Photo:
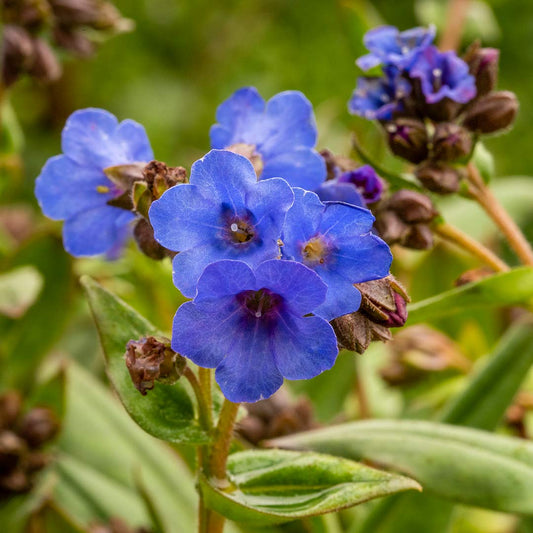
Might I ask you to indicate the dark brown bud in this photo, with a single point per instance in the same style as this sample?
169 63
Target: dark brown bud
483 65
471 276
408 139
16 481
275 417
419 237
144 237
12 449
73 41
444 110
16 54
418 350
38 427
390 227
451 142
152 359
383 306
75 12
494 112
45 67
412 207
10 406
160 177
438 178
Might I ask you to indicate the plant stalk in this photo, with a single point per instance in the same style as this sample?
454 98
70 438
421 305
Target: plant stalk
454 235
484 196
455 21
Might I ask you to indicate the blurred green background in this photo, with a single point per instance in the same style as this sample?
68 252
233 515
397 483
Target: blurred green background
185 57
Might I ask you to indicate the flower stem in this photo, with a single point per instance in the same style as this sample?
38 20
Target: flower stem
204 406
455 20
456 236
484 196
360 391
223 436
204 375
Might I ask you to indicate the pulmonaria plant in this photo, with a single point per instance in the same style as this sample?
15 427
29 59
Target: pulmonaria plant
278 136
74 186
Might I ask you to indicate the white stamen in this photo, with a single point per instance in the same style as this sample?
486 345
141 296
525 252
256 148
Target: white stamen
405 49
258 314
437 72
234 227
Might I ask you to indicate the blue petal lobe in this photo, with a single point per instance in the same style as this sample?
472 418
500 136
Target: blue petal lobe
225 278
303 347
346 220
342 298
131 137
333 191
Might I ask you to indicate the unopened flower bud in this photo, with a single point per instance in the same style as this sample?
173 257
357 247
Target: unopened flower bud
45 67
75 12
473 275
336 164
143 234
16 53
73 41
418 350
12 448
10 407
438 178
152 359
451 142
160 177
408 139
390 227
419 237
483 65
38 426
412 207
383 306
494 112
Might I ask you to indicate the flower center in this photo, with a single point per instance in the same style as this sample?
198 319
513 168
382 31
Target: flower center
315 251
260 304
437 78
240 231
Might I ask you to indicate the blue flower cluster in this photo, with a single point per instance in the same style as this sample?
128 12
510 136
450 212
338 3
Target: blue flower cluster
409 61
266 262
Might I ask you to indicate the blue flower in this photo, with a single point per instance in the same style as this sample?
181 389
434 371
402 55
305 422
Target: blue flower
281 134
335 240
73 187
378 98
251 325
222 213
389 46
359 187
443 75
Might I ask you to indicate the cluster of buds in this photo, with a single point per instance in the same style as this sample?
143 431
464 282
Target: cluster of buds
383 306
152 359
275 417
432 105
405 218
116 525
28 23
22 437
418 351
143 184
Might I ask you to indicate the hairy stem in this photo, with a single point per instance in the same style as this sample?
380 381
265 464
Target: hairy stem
360 392
454 235
484 196
223 437
205 384
204 405
455 20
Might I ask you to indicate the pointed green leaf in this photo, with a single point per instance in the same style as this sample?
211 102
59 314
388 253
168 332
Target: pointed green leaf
276 486
509 288
465 465
167 411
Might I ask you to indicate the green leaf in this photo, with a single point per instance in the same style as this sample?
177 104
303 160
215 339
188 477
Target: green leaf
276 486
485 399
464 465
167 411
508 288
111 449
484 161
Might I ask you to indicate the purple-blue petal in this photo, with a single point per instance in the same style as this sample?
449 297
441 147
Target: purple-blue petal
183 218
204 332
342 297
341 219
87 138
131 137
249 372
301 167
94 231
65 188
303 347
334 191
301 288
